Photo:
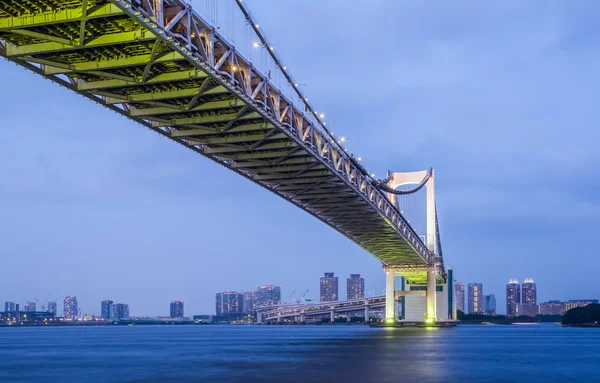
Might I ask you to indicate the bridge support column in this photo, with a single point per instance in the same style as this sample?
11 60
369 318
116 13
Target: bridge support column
302 318
430 315
259 318
390 296
367 314
332 316
348 318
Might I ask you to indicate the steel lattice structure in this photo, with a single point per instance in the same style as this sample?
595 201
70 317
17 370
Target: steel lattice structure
157 62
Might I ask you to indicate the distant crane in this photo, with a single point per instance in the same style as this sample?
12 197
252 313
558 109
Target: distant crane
290 297
302 297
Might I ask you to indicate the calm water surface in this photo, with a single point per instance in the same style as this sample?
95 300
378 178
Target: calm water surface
470 353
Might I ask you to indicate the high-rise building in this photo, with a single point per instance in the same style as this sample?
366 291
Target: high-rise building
105 306
490 304
9 306
527 309
552 308
176 309
355 287
268 295
52 308
249 301
476 299
70 309
329 288
513 297
29 307
119 311
459 296
529 292
229 302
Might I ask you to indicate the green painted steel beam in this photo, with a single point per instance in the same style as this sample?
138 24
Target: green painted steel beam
165 95
188 75
271 146
211 119
67 46
209 131
213 105
53 68
233 140
62 16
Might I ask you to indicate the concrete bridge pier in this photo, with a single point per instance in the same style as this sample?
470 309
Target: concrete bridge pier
332 316
259 318
367 314
430 314
390 296
302 317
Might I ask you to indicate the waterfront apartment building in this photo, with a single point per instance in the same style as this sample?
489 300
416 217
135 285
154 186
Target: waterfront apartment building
476 303
490 304
105 307
249 302
176 309
267 295
459 296
579 303
527 309
529 292
329 288
52 308
552 308
355 287
70 309
229 302
29 307
9 307
119 311
513 297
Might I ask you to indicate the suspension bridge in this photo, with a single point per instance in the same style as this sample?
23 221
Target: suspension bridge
172 69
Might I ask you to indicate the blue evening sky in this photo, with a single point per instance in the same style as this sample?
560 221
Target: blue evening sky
499 96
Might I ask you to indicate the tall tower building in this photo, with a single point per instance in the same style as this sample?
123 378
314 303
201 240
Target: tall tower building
329 288
70 309
249 301
459 291
29 307
355 287
513 297
105 306
119 311
52 308
490 304
176 309
229 302
9 306
529 291
476 299
268 295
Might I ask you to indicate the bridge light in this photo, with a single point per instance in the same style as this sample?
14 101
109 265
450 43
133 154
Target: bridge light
295 85
322 115
272 48
373 175
360 158
306 99
256 45
284 68
343 139
234 68
257 26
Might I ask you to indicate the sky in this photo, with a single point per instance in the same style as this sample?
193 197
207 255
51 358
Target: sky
499 97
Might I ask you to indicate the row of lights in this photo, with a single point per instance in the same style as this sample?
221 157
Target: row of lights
320 116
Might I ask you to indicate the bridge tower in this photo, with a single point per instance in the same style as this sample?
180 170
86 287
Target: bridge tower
432 268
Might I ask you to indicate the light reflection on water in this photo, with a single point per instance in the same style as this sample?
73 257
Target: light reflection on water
299 354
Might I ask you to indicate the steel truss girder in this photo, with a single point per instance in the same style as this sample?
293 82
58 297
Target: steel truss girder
197 48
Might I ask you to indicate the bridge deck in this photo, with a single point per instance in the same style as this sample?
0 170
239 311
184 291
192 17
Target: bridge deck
168 70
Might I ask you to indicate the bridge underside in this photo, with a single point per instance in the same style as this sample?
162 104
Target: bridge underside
154 71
